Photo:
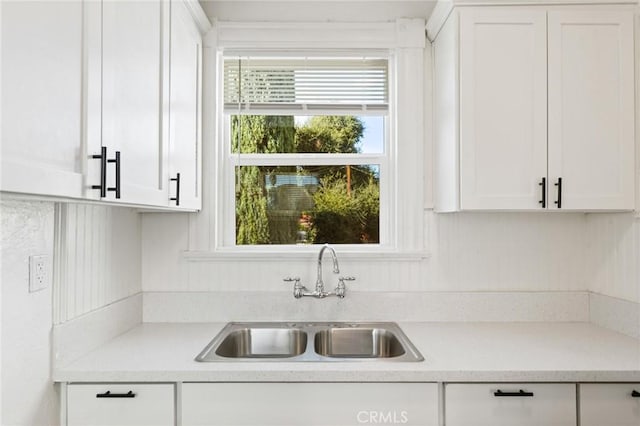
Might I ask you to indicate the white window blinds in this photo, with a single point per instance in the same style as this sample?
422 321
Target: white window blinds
253 84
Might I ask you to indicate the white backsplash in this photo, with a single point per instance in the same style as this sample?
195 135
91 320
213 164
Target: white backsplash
81 335
613 255
366 306
98 251
509 252
616 314
469 252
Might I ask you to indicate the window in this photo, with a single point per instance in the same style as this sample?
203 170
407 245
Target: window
283 78
307 150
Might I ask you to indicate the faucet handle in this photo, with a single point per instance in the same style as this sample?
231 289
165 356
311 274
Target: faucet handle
297 287
341 289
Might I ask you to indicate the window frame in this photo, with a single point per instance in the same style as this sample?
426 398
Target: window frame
403 203
230 160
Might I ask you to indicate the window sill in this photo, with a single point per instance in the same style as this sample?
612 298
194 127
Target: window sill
301 255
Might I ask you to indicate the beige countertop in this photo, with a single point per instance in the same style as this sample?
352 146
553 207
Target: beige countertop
453 352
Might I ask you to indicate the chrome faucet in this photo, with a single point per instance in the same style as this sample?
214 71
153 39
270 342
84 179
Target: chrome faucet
336 268
319 293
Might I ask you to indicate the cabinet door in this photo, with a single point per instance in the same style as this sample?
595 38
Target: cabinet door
478 405
610 404
591 109
134 116
92 96
295 404
152 405
503 134
184 109
42 98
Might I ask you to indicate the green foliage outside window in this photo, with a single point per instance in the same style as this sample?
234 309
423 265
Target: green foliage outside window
341 218
342 208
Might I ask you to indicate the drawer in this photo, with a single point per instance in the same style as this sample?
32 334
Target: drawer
309 404
502 404
609 404
150 405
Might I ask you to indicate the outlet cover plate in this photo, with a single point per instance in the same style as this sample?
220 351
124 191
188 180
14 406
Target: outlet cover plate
38 272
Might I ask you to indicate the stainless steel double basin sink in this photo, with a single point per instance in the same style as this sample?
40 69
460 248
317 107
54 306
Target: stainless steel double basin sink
324 341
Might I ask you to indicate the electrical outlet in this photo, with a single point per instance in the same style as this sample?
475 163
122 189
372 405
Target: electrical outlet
38 273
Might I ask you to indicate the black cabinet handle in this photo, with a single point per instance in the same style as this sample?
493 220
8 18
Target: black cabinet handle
103 172
117 162
635 394
108 394
177 181
543 184
559 200
519 393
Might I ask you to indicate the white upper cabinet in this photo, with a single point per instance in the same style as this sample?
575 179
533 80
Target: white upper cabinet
184 110
41 132
591 109
503 107
135 61
541 115
101 100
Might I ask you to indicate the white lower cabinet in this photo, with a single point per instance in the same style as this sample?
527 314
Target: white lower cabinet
120 405
510 404
353 404
610 404
309 404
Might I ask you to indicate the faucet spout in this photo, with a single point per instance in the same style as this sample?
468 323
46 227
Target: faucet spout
336 267
319 293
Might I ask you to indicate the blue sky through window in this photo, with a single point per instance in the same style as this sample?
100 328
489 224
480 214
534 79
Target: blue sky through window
373 137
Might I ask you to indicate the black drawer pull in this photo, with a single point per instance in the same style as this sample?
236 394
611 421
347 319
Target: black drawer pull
108 394
635 394
558 202
117 162
177 197
519 393
543 184
103 172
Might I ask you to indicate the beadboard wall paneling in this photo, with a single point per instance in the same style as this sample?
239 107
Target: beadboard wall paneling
509 252
164 237
469 252
613 255
98 256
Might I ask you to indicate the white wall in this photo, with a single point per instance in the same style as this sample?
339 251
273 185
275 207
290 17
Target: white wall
614 250
28 395
469 252
97 262
0 247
